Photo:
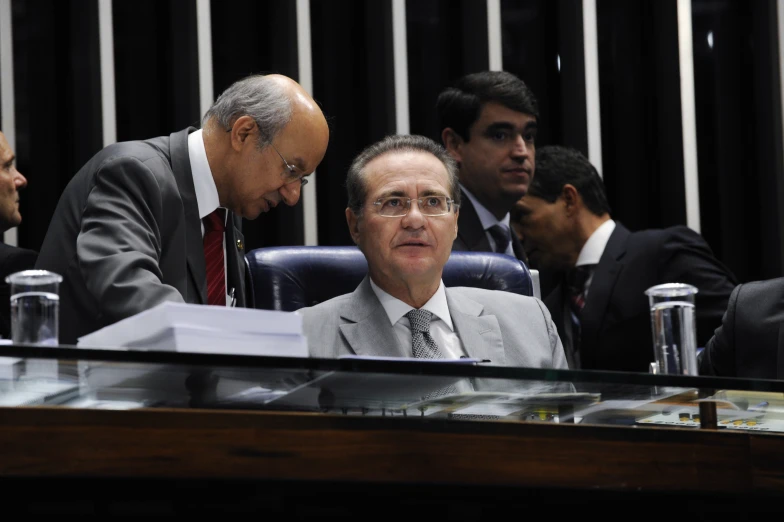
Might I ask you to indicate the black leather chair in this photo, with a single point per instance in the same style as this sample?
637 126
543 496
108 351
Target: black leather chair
290 278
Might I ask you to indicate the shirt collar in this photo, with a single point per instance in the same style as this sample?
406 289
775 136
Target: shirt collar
203 182
485 216
395 308
594 248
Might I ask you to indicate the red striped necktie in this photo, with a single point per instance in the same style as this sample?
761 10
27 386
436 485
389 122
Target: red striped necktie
214 226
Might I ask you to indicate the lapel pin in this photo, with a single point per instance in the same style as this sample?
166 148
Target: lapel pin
239 244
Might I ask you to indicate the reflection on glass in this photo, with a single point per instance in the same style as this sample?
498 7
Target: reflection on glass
411 389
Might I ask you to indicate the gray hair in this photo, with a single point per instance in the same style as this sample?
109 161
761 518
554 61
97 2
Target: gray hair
258 97
355 180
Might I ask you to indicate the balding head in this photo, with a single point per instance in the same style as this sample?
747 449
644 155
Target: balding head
288 139
307 125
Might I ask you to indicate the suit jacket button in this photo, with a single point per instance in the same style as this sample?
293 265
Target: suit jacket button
239 244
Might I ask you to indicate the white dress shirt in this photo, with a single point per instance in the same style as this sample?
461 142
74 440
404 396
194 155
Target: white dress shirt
593 249
441 328
488 219
206 192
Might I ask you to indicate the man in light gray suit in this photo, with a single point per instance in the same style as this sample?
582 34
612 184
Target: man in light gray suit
403 201
145 222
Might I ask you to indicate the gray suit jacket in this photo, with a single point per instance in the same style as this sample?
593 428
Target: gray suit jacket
126 236
506 328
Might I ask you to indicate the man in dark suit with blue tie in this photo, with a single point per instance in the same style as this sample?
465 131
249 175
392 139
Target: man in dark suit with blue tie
489 121
12 259
599 305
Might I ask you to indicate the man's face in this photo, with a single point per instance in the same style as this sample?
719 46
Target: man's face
414 248
547 237
497 162
261 179
11 181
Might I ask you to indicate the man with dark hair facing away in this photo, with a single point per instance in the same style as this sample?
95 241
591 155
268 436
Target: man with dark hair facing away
600 306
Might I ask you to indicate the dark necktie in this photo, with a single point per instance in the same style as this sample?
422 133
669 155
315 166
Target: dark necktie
501 237
214 225
575 287
422 343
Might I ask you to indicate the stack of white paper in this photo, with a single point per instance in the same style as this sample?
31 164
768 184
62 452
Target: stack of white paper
205 329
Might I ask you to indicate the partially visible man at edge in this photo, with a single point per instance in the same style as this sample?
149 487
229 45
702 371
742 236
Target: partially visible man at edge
145 222
12 259
403 201
488 124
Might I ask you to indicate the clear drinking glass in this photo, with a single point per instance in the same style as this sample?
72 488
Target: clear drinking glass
35 306
674 328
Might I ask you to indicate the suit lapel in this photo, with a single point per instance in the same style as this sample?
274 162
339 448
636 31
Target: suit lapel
518 249
235 258
480 334
472 234
181 166
555 304
604 278
560 313
369 331
469 228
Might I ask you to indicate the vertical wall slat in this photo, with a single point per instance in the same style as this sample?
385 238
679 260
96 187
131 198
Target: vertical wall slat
204 36
305 64
592 105
400 50
7 91
495 53
688 115
108 102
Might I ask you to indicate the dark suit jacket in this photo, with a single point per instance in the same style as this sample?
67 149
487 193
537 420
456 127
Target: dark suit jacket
126 236
12 259
615 322
750 341
471 235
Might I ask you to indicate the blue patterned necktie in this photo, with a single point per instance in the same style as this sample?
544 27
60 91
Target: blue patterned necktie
575 282
501 236
575 285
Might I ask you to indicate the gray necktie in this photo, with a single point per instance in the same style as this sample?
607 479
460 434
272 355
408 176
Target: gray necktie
421 341
425 347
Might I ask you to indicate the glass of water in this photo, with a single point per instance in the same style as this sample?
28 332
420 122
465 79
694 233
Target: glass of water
35 304
674 328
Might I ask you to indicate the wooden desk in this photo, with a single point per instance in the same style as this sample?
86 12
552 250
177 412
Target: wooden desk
338 457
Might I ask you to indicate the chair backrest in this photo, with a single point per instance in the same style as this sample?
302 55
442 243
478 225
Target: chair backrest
536 284
290 278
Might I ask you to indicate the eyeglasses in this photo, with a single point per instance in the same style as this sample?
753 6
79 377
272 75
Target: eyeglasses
293 172
429 206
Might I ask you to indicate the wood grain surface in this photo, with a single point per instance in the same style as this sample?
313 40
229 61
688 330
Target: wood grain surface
159 443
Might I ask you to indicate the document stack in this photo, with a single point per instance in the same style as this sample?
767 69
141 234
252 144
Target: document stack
191 328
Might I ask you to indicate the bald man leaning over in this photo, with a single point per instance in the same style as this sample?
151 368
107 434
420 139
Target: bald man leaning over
145 222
